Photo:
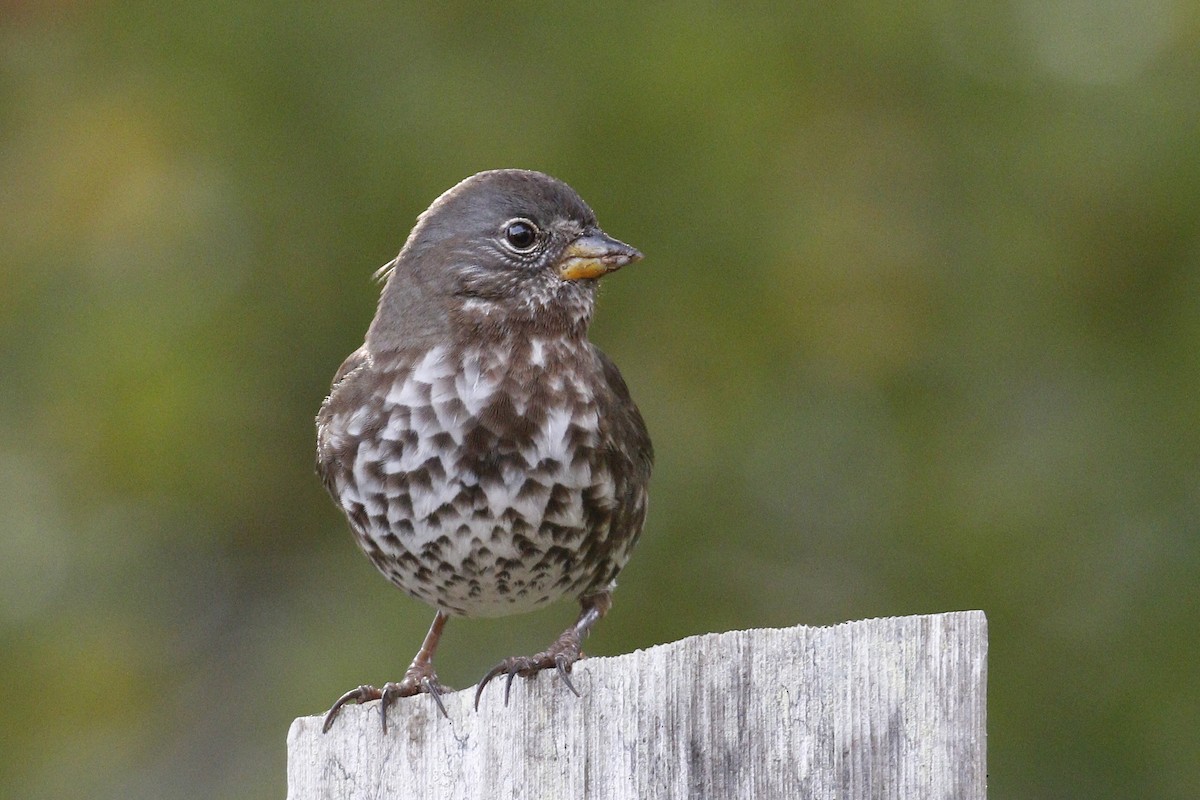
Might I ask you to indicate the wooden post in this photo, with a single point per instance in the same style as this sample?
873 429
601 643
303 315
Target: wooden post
883 708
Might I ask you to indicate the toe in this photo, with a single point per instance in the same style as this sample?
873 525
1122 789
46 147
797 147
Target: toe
362 694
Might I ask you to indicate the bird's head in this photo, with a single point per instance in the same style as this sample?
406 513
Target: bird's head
503 249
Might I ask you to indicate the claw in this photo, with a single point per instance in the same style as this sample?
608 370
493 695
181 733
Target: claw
362 694
492 673
434 690
419 678
512 674
560 655
564 669
388 696
528 667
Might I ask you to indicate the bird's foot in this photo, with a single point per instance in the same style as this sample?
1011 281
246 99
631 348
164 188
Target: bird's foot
561 656
419 679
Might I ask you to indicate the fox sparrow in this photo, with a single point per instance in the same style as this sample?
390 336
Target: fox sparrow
488 456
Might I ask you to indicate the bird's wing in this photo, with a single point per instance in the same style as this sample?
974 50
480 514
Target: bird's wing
341 394
357 360
627 425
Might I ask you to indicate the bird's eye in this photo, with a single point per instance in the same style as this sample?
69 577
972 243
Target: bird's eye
521 235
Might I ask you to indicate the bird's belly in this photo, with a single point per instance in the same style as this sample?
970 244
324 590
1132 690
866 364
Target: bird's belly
488 530
476 546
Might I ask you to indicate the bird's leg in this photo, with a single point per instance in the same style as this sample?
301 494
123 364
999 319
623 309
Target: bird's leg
561 655
418 678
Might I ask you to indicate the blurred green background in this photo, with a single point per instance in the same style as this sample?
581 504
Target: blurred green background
917 331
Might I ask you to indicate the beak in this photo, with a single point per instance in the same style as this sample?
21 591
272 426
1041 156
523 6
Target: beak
593 255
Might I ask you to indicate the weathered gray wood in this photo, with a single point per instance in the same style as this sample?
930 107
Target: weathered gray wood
883 708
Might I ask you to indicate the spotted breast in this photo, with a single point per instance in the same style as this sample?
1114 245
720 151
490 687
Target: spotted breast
482 480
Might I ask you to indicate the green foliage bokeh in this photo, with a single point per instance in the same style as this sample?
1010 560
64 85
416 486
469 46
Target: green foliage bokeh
917 330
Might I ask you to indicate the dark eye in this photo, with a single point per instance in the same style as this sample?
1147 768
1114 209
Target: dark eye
521 234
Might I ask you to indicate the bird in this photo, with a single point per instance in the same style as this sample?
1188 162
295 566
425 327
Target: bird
488 457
